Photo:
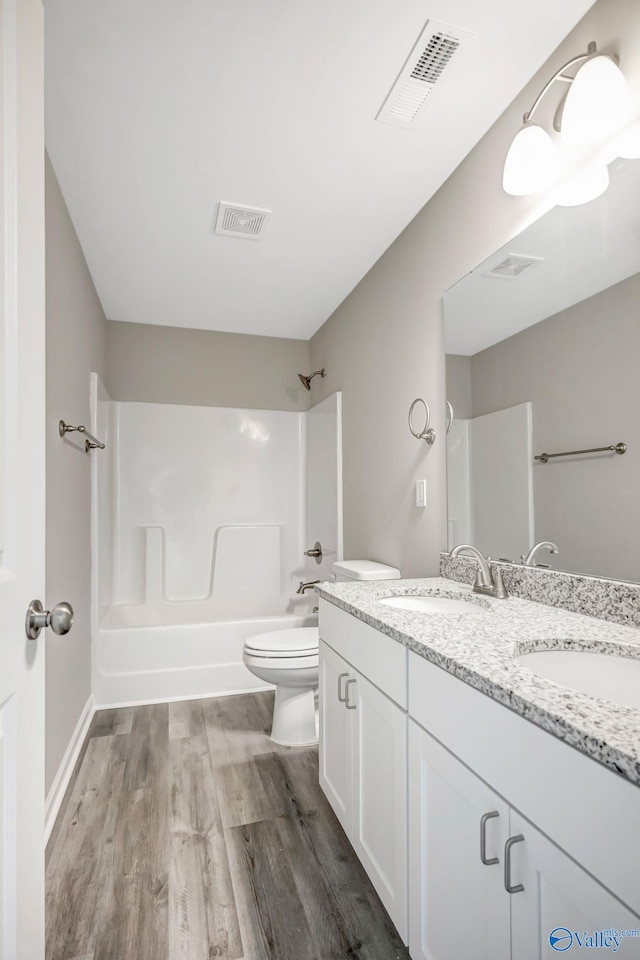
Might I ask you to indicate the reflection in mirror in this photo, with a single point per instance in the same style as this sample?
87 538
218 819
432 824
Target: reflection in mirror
543 356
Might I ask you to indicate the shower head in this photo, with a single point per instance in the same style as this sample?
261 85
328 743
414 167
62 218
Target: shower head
306 381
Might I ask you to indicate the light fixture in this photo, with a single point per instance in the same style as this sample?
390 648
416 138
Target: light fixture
583 187
596 105
531 161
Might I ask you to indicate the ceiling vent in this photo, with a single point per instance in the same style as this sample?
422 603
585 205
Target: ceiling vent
512 267
429 62
235 221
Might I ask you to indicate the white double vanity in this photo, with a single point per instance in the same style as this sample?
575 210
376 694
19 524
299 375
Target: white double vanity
496 813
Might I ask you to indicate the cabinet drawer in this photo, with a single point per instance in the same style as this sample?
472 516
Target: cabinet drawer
376 656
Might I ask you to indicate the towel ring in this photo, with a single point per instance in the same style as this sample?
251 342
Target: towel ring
427 433
450 412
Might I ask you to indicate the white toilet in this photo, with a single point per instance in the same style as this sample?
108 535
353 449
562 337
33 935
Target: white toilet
289 660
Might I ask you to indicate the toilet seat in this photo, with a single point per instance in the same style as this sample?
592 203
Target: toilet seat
300 643
284 665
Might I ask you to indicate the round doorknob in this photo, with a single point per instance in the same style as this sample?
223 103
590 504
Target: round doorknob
60 619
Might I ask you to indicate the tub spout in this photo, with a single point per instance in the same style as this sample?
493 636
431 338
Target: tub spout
306 586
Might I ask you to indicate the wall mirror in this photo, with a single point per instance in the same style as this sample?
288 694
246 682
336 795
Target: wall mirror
543 356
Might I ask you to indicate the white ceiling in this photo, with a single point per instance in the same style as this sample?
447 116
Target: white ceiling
583 250
159 109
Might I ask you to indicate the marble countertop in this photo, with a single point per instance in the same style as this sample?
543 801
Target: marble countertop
481 650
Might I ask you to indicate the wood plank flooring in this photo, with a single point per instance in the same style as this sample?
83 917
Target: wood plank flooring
186 833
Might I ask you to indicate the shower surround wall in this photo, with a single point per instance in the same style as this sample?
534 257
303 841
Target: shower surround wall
202 517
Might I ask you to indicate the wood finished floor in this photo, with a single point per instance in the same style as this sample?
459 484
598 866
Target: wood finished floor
186 833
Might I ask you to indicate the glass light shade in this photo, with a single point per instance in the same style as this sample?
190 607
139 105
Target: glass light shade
628 146
597 104
583 187
531 162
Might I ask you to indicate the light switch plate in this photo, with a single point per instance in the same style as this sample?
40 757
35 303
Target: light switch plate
421 493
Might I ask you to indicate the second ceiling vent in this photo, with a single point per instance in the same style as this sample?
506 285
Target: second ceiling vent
512 267
246 222
430 60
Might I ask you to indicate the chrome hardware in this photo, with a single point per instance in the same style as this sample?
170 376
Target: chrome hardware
60 619
518 888
544 544
306 586
349 706
341 677
612 448
561 76
483 838
306 381
315 552
489 581
91 443
450 412
427 433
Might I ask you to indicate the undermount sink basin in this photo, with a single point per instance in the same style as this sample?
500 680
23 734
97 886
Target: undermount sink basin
432 605
603 675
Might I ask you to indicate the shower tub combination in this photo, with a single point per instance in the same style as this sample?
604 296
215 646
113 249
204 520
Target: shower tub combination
201 516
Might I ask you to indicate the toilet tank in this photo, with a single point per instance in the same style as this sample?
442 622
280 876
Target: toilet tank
364 570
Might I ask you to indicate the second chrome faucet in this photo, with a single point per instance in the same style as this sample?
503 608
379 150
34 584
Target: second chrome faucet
530 559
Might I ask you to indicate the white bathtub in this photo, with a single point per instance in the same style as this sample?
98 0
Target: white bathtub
141 664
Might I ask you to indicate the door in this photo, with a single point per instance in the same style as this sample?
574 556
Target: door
561 907
336 740
380 792
22 491
458 828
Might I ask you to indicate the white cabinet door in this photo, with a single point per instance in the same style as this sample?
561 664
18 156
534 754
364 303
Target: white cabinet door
380 791
458 906
562 903
336 737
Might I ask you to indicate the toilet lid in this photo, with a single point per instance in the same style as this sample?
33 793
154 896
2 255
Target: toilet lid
296 642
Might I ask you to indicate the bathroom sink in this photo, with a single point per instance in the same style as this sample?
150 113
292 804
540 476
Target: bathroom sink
603 675
432 605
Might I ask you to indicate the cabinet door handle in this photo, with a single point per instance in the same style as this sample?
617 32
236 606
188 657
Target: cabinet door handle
341 677
483 838
509 887
349 706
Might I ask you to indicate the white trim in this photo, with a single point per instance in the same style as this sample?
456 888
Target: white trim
193 696
66 768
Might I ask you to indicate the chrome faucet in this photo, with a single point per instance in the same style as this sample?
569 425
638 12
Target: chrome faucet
306 586
529 560
488 582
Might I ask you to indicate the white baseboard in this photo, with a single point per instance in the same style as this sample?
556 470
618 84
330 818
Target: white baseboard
65 770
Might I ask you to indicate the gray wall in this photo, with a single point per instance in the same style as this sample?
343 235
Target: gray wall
384 345
177 365
76 341
458 371
580 370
